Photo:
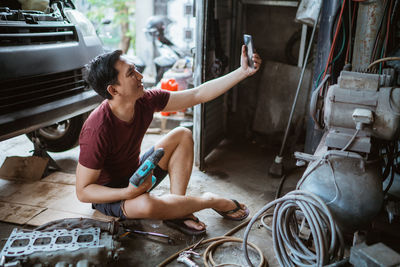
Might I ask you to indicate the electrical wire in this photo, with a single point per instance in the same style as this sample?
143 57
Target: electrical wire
390 165
351 140
323 160
348 52
378 33
390 181
334 38
333 61
327 237
384 47
382 60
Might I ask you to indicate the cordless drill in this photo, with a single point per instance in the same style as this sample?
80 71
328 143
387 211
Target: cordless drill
147 166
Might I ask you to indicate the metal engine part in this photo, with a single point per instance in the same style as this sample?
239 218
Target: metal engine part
377 255
351 188
80 247
365 93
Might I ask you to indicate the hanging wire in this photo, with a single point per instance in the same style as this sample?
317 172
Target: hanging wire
334 38
378 37
384 47
349 48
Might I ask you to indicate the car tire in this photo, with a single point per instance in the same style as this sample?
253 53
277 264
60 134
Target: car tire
60 136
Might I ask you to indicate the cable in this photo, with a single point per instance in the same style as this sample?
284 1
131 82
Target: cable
390 181
351 140
384 47
382 60
351 24
378 33
333 61
390 166
334 38
326 235
322 160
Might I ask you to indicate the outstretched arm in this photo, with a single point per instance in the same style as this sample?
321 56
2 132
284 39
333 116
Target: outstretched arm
214 88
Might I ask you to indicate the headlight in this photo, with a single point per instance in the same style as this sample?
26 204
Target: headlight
80 21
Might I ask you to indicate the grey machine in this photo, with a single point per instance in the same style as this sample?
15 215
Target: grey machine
360 112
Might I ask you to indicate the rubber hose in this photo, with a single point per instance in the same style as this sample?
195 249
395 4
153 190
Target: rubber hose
230 232
285 231
207 255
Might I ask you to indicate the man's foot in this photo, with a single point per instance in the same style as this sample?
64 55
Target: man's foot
240 212
229 208
189 225
194 222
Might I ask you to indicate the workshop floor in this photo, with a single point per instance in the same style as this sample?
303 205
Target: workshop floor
235 170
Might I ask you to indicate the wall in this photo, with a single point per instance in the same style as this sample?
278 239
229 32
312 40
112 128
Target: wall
271 27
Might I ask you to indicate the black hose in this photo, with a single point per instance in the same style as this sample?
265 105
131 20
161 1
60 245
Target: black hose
390 181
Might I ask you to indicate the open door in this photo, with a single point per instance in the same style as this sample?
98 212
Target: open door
214 57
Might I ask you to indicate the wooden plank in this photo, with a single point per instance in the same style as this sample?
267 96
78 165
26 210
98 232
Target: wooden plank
17 213
23 168
51 215
60 178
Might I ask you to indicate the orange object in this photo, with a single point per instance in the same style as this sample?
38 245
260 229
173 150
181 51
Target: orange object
170 85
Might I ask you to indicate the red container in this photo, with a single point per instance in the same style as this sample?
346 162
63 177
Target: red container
170 85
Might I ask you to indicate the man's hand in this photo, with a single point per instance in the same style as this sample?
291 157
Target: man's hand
244 65
141 189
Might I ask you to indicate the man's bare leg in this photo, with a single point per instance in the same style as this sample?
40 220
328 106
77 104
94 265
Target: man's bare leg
174 206
178 160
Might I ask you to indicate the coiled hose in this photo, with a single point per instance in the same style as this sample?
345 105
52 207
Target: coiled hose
216 241
289 249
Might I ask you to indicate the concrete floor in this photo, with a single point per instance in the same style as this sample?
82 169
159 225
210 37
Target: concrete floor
235 170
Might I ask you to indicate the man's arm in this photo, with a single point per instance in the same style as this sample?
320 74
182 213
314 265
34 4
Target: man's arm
214 88
88 191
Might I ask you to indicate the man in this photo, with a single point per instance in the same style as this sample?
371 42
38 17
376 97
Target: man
110 146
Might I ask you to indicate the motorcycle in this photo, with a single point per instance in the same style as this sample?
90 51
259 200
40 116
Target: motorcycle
171 62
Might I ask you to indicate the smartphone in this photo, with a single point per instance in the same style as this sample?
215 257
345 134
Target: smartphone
248 41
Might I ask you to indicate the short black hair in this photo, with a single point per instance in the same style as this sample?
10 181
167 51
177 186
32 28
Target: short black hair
101 72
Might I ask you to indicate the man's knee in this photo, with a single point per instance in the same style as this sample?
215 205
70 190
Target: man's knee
185 134
143 206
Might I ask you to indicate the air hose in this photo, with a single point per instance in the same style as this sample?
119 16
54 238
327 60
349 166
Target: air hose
216 241
289 249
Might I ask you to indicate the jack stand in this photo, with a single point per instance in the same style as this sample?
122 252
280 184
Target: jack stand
39 150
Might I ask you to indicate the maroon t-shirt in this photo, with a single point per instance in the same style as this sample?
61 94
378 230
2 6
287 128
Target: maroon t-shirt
113 145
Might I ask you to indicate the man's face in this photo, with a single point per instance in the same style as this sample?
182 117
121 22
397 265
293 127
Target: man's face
130 85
